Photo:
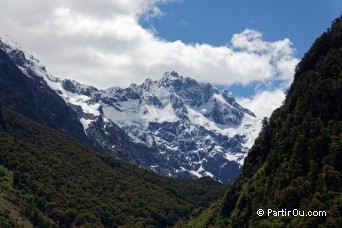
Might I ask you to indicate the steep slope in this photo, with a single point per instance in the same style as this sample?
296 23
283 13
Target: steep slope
24 88
175 126
59 182
296 162
32 97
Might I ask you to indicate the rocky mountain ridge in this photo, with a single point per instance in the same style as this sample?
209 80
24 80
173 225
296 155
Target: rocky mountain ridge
175 126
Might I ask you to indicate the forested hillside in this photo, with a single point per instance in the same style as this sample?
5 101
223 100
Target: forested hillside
296 163
57 181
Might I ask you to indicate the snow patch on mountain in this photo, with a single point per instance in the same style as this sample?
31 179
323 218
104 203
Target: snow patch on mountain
192 128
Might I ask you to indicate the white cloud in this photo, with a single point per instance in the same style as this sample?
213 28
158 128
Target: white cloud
102 43
280 53
263 103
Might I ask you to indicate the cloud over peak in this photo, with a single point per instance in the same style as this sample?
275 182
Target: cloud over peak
102 43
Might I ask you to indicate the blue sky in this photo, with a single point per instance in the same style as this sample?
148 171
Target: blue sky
214 22
249 46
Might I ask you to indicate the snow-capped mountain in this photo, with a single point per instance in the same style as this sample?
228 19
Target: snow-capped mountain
194 125
175 126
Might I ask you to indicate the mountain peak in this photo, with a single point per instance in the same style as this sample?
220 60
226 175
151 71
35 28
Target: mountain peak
172 74
171 79
175 126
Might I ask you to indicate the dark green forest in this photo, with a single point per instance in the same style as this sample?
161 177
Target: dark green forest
57 181
296 162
